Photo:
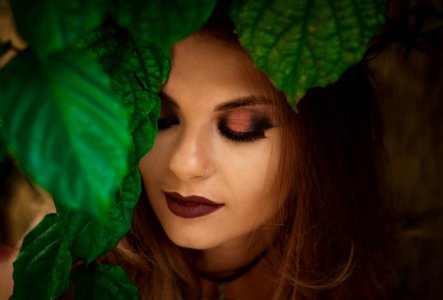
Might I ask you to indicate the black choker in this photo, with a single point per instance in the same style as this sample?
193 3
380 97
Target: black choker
242 271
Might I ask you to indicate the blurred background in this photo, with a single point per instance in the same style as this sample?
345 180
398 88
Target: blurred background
408 75
22 203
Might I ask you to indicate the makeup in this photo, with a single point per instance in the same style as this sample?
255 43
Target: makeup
190 206
244 125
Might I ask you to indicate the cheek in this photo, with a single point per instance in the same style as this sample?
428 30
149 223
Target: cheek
253 181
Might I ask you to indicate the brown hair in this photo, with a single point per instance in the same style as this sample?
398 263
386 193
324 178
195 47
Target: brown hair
337 243
334 238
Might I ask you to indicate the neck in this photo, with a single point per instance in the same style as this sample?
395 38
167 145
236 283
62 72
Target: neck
219 279
235 270
252 281
228 258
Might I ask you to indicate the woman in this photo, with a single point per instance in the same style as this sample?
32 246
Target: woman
246 199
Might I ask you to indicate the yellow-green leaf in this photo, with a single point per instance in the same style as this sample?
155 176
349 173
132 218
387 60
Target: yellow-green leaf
302 44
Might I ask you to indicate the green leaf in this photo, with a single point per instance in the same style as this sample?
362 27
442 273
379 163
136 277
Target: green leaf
99 282
144 135
49 25
137 74
302 44
66 127
137 70
41 270
88 238
162 22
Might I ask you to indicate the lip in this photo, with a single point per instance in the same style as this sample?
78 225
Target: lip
190 206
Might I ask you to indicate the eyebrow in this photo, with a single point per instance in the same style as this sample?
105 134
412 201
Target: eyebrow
230 104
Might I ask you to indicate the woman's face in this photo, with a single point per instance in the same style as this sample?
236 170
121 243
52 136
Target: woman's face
218 141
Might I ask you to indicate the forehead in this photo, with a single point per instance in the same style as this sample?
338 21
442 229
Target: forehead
204 65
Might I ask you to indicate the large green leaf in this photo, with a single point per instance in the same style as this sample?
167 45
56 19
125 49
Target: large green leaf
88 238
41 270
137 74
144 135
302 44
49 25
66 127
99 282
162 22
137 70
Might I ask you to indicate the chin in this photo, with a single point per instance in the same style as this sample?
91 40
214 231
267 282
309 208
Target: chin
193 241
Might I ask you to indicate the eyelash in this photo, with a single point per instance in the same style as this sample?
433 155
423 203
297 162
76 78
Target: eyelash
241 137
236 136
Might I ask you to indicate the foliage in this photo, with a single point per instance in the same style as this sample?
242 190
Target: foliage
166 21
43 275
103 282
301 44
80 105
59 104
88 238
86 117
50 25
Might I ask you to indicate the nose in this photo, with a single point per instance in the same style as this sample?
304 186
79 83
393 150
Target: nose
192 155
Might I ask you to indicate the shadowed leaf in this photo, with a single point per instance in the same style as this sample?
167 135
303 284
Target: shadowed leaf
42 267
99 282
162 22
137 74
88 238
302 44
137 69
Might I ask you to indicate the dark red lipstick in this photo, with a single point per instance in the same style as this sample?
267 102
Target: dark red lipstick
191 206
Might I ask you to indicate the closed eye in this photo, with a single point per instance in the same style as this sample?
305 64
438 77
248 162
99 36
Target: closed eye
240 136
243 133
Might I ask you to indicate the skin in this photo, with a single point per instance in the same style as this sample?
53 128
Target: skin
8 32
27 208
238 174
